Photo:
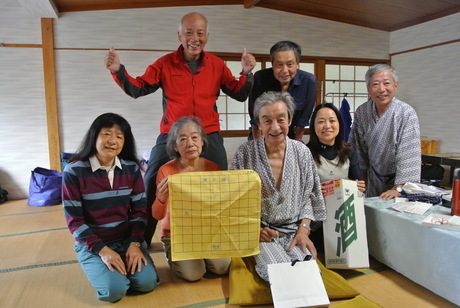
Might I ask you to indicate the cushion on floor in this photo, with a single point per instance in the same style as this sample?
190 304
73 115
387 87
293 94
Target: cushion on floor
247 288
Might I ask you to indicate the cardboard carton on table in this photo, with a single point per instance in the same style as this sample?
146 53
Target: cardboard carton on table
345 237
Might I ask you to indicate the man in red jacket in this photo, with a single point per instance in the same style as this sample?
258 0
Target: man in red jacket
191 80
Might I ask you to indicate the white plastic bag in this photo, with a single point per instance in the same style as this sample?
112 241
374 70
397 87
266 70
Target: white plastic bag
297 284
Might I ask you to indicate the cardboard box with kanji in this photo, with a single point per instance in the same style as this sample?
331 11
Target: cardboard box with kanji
345 237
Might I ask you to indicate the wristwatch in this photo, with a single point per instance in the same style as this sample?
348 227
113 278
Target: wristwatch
398 189
306 226
137 244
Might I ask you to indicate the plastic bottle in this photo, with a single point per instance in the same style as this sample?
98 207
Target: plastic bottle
456 193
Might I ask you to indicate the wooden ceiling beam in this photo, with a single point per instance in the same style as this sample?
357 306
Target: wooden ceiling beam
250 3
394 15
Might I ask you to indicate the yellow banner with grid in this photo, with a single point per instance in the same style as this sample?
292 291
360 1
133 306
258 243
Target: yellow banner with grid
214 214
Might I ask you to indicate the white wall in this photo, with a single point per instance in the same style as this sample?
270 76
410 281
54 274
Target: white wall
231 28
22 101
430 78
85 88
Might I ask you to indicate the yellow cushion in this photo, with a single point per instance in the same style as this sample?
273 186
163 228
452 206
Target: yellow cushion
247 288
336 286
245 285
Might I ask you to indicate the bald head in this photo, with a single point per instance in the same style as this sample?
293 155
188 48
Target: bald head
192 16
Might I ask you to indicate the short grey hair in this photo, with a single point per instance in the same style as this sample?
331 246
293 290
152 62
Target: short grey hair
377 68
272 97
193 13
285 46
173 134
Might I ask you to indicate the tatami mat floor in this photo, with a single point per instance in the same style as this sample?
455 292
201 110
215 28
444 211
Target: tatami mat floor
38 268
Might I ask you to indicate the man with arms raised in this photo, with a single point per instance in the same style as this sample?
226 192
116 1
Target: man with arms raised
191 80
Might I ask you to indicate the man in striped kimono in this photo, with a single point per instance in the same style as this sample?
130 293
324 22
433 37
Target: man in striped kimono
386 134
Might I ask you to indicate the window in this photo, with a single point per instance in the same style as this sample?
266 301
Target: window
234 114
345 81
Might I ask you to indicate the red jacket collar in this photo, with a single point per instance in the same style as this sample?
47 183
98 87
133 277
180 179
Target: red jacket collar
180 55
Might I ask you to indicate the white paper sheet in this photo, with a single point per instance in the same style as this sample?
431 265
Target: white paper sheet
412 207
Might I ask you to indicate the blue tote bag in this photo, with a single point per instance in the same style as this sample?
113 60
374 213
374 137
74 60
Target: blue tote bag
45 187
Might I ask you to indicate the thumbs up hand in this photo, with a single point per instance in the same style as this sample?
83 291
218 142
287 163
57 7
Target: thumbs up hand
247 61
112 61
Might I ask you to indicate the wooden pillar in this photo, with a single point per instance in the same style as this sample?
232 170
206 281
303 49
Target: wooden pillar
50 93
320 73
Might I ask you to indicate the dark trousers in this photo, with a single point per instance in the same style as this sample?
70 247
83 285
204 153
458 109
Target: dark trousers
158 157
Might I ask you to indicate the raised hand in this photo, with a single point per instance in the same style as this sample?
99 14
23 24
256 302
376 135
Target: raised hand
247 61
112 61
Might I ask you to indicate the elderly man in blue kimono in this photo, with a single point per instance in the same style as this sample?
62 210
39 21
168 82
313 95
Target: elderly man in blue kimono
386 134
